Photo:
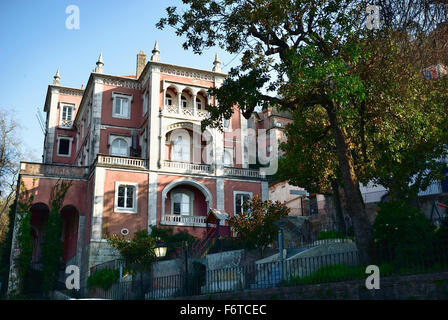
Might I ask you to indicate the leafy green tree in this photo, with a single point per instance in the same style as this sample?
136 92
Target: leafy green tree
255 225
313 57
139 251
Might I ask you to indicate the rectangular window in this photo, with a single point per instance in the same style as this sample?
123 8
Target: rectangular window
125 197
121 106
64 147
240 198
66 118
228 157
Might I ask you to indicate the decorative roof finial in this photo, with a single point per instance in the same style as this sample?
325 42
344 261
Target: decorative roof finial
99 64
216 64
57 78
155 52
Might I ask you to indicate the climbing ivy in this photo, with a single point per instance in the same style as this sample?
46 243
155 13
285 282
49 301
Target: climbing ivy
24 238
52 249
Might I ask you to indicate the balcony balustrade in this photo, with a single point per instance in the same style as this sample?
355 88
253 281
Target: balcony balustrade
109 160
181 220
243 172
187 167
66 124
185 112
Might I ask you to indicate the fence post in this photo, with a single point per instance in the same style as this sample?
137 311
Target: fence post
119 282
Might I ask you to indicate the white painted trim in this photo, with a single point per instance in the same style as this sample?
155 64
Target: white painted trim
235 192
126 138
98 203
205 191
135 197
190 195
69 147
123 96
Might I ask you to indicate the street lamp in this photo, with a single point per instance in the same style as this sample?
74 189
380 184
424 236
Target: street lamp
280 224
160 249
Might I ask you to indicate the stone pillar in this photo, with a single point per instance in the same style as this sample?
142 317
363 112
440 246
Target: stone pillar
98 202
195 107
179 102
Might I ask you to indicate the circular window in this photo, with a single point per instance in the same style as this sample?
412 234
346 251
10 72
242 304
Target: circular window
124 231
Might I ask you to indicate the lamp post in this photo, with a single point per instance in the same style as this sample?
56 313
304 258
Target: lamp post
280 224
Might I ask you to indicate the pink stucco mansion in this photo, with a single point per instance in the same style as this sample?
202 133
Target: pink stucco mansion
133 149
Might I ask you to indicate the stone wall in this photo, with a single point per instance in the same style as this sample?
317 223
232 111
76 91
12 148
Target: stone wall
426 286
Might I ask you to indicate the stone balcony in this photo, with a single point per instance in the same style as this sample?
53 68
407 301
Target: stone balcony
188 112
66 124
186 167
243 172
124 162
180 220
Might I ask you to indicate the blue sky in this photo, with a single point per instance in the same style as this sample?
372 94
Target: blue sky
35 42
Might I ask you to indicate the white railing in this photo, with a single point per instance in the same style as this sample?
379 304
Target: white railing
242 172
122 161
180 220
189 112
433 188
187 167
66 124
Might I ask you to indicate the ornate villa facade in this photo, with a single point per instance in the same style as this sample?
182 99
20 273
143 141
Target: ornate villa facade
133 148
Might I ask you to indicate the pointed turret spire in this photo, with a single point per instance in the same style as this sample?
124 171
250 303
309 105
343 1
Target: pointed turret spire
216 64
100 64
57 78
155 52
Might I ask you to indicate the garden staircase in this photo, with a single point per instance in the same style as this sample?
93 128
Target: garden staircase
201 247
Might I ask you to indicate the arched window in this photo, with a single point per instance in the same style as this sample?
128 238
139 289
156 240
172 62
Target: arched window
119 147
181 149
182 203
183 101
168 100
199 103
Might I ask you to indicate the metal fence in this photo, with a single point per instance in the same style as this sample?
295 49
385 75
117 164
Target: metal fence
291 271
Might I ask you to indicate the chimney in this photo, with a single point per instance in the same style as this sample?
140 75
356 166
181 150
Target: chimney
141 63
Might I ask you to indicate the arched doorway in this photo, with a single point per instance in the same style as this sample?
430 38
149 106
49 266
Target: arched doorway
39 219
69 237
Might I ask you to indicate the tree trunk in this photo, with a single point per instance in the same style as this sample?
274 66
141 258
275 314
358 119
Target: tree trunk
338 207
354 204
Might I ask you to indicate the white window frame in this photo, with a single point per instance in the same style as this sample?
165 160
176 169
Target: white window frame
135 197
183 145
113 137
122 96
182 100
232 154
66 105
69 147
234 199
170 98
190 194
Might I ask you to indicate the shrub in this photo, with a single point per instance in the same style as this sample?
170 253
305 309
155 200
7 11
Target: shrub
399 225
330 234
401 233
103 278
